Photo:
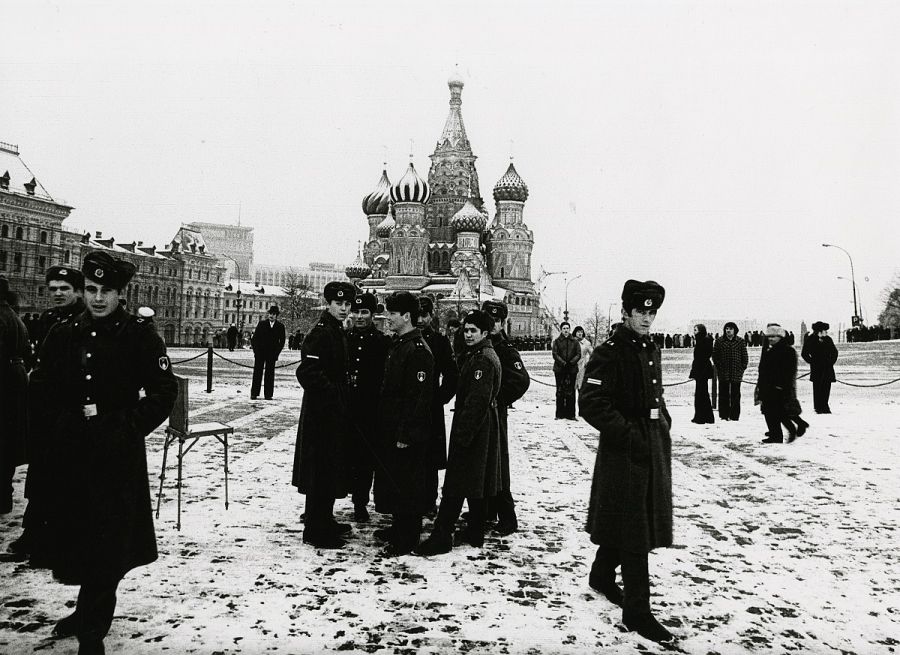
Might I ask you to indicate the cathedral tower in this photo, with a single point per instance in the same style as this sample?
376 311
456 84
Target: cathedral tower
452 176
408 239
510 242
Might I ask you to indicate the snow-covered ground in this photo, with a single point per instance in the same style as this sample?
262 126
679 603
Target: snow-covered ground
780 548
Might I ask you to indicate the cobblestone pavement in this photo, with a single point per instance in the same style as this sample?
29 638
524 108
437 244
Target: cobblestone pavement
778 548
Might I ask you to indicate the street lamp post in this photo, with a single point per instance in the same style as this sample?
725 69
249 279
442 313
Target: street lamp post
855 320
566 310
862 310
238 303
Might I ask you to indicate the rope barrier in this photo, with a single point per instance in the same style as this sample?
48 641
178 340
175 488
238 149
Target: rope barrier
879 384
236 363
189 359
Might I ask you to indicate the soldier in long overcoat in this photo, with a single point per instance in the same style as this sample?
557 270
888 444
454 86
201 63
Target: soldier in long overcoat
630 510
445 380
102 384
406 427
820 353
322 468
514 382
15 351
367 347
777 386
473 462
66 288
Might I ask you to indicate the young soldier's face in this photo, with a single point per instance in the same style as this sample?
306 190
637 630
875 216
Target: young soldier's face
340 309
473 334
425 320
639 319
101 300
62 293
397 321
362 318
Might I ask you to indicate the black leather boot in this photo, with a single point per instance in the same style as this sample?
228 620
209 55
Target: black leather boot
636 614
603 575
66 626
438 543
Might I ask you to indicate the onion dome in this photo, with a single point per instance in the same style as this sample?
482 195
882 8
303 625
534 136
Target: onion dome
411 188
383 229
468 219
511 186
358 270
377 201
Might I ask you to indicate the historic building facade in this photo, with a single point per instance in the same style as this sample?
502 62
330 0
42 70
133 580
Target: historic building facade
234 243
32 237
436 237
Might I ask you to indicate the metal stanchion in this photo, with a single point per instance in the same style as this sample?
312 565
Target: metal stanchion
209 355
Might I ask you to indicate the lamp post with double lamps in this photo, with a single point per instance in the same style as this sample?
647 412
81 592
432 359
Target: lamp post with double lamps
855 320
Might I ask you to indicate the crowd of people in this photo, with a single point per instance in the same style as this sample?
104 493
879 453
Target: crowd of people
371 426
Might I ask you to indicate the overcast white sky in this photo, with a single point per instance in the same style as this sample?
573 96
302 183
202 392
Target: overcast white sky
712 146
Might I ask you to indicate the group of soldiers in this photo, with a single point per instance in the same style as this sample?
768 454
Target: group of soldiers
371 422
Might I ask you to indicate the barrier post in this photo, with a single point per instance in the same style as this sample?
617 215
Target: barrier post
209 356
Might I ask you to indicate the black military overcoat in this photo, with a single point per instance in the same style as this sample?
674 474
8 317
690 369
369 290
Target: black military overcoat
100 387
15 352
631 492
514 382
445 381
402 484
473 462
321 455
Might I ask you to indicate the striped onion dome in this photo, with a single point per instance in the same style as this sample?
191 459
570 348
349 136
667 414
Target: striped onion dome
383 229
468 219
411 188
377 201
511 186
358 270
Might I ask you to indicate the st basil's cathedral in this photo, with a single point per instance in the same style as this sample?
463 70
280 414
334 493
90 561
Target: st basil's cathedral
437 239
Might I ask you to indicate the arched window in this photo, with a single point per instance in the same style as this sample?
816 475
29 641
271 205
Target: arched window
43 236
4 231
19 233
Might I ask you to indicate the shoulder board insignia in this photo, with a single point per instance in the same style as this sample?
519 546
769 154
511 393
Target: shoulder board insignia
478 374
312 357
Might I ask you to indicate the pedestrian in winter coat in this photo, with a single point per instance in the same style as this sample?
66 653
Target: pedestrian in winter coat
820 353
15 351
322 467
268 342
473 462
407 430
514 382
701 372
566 353
86 401
586 349
730 358
368 348
630 510
232 337
777 386
445 380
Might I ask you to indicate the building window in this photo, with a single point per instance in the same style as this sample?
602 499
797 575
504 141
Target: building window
43 236
19 233
2 260
66 255
4 231
42 263
17 262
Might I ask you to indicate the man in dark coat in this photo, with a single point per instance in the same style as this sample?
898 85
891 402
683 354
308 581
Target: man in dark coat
322 467
404 420
66 288
15 351
730 358
473 463
456 339
231 336
566 353
268 342
86 400
514 382
701 371
445 378
368 348
820 353
630 510
777 385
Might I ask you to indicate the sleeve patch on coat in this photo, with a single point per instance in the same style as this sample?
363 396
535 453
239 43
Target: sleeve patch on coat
518 365
478 374
420 376
164 363
595 381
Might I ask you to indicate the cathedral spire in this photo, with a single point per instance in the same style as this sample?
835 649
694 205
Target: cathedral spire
454 135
